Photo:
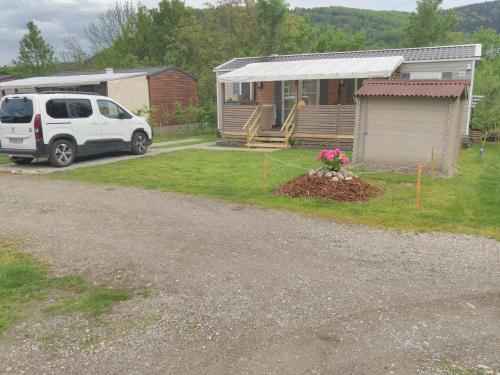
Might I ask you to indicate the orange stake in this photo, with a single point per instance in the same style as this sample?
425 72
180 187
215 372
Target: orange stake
265 174
418 185
433 166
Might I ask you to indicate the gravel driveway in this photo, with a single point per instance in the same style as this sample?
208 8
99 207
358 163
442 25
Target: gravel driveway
241 290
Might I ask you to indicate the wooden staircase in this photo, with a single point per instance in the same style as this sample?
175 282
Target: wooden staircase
258 138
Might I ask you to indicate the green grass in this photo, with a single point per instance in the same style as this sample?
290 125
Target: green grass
205 134
455 370
467 203
4 160
92 304
24 281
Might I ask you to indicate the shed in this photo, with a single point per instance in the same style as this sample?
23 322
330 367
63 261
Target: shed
159 87
402 122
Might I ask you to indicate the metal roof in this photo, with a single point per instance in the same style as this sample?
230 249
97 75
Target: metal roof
361 67
455 52
415 88
64 81
3 77
149 70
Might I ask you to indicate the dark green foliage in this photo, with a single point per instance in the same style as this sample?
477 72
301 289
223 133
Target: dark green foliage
36 57
479 15
430 25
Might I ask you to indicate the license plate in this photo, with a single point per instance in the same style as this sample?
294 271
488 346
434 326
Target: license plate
15 141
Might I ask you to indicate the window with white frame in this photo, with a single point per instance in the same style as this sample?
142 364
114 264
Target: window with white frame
310 92
447 75
236 88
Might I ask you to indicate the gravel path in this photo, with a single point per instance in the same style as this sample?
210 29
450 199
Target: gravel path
241 290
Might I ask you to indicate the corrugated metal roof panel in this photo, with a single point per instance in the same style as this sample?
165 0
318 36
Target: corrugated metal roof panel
415 88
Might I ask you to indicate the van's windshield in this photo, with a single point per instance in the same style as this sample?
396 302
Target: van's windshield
16 111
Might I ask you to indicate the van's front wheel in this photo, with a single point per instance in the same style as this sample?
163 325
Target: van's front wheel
62 153
139 143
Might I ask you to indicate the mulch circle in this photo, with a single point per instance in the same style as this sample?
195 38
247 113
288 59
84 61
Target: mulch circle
354 190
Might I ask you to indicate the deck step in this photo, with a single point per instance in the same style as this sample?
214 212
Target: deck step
270 139
266 145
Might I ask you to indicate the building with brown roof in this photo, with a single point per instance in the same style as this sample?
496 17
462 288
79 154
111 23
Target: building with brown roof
403 122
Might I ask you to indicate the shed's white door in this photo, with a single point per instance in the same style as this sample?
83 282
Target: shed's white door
404 130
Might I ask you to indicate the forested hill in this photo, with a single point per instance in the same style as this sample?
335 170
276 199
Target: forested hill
479 15
384 29
381 28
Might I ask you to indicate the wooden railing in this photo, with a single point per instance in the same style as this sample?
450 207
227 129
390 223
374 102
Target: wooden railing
289 125
253 125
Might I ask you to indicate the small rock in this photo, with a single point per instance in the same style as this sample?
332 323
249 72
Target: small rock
335 179
343 170
340 176
348 178
328 175
320 174
334 173
311 173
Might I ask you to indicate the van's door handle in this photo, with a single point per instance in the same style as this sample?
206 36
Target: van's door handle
105 123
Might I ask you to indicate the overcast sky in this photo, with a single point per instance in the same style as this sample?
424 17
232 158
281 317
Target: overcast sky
58 18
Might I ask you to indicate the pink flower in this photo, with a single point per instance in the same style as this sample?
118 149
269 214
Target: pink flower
344 160
330 157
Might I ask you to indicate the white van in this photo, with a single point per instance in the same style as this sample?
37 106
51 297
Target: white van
61 126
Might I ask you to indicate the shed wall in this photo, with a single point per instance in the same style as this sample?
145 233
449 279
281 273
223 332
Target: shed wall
171 87
399 132
132 93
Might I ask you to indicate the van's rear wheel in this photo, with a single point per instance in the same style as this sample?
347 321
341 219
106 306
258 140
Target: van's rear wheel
22 161
139 143
62 153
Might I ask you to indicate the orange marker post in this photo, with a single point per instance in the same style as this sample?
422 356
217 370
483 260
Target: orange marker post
433 166
419 174
265 174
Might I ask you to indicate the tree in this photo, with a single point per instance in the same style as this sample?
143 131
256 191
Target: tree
102 32
430 25
270 16
36 57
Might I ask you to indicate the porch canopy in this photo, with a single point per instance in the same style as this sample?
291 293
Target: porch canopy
363 67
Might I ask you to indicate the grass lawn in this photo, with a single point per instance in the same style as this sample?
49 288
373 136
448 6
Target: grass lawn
4 160
24 280
206 134
467 203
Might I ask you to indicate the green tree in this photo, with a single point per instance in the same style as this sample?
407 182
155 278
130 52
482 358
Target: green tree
270 16
36 57
430 25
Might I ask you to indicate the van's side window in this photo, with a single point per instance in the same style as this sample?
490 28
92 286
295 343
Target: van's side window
112 110
56 108
69 108
79 108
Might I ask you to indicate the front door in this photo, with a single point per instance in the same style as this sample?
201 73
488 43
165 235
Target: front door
289 98
115 122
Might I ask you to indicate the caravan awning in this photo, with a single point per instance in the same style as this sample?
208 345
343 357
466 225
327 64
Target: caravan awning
365 67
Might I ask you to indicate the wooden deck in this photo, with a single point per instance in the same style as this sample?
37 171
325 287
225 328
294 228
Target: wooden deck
331 125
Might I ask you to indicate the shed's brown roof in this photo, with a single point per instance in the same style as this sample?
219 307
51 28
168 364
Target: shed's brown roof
435 88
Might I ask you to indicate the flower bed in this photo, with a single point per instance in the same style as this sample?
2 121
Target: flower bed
333 181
